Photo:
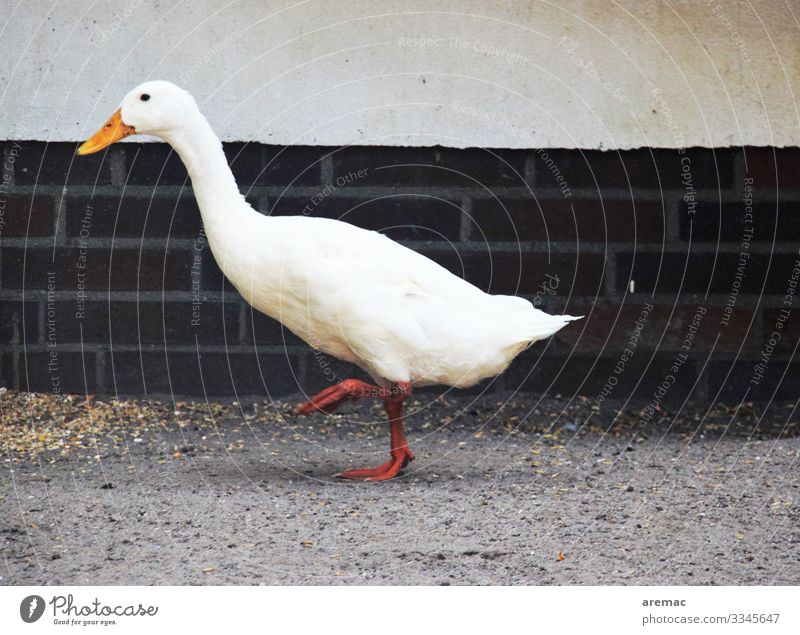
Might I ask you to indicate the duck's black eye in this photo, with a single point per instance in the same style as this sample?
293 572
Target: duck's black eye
144 97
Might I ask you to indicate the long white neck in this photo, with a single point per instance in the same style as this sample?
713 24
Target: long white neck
212 180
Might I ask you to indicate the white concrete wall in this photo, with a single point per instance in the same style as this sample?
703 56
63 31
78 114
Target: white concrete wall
459 73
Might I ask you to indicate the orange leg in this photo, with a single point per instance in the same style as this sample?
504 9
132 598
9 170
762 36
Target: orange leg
351 389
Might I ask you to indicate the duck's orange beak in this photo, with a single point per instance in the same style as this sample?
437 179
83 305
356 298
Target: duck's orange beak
111 132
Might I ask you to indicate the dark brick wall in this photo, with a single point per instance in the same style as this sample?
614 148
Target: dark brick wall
99 265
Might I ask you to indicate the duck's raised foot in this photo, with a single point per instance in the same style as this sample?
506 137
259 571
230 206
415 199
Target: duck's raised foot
332 397
390 469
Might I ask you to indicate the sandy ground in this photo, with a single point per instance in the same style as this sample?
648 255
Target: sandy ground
514 491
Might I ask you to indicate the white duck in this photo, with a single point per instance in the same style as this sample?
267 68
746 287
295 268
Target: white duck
351 293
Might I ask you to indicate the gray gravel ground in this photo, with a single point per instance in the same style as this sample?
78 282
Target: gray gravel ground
229 494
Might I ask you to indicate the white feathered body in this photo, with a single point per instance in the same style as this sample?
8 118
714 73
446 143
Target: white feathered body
351 293
363 298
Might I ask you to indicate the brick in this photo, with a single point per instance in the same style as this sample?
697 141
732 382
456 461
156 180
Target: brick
633 169
588 376
773 168
399 217
29 371
713 221
789 328
672 273
438 166
567 360
122 269
609 328
261 329
253 200
292 166
257 165
27 216
734 380
147 323
57 164
212 375
246 161
9 370
162 216
598 219
154 164
251 164
93 328
212 278
505 272
19 322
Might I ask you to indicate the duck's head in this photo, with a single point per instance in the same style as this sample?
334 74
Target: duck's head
156 108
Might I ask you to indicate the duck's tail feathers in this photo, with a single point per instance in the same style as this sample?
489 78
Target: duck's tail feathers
550 326
560 321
